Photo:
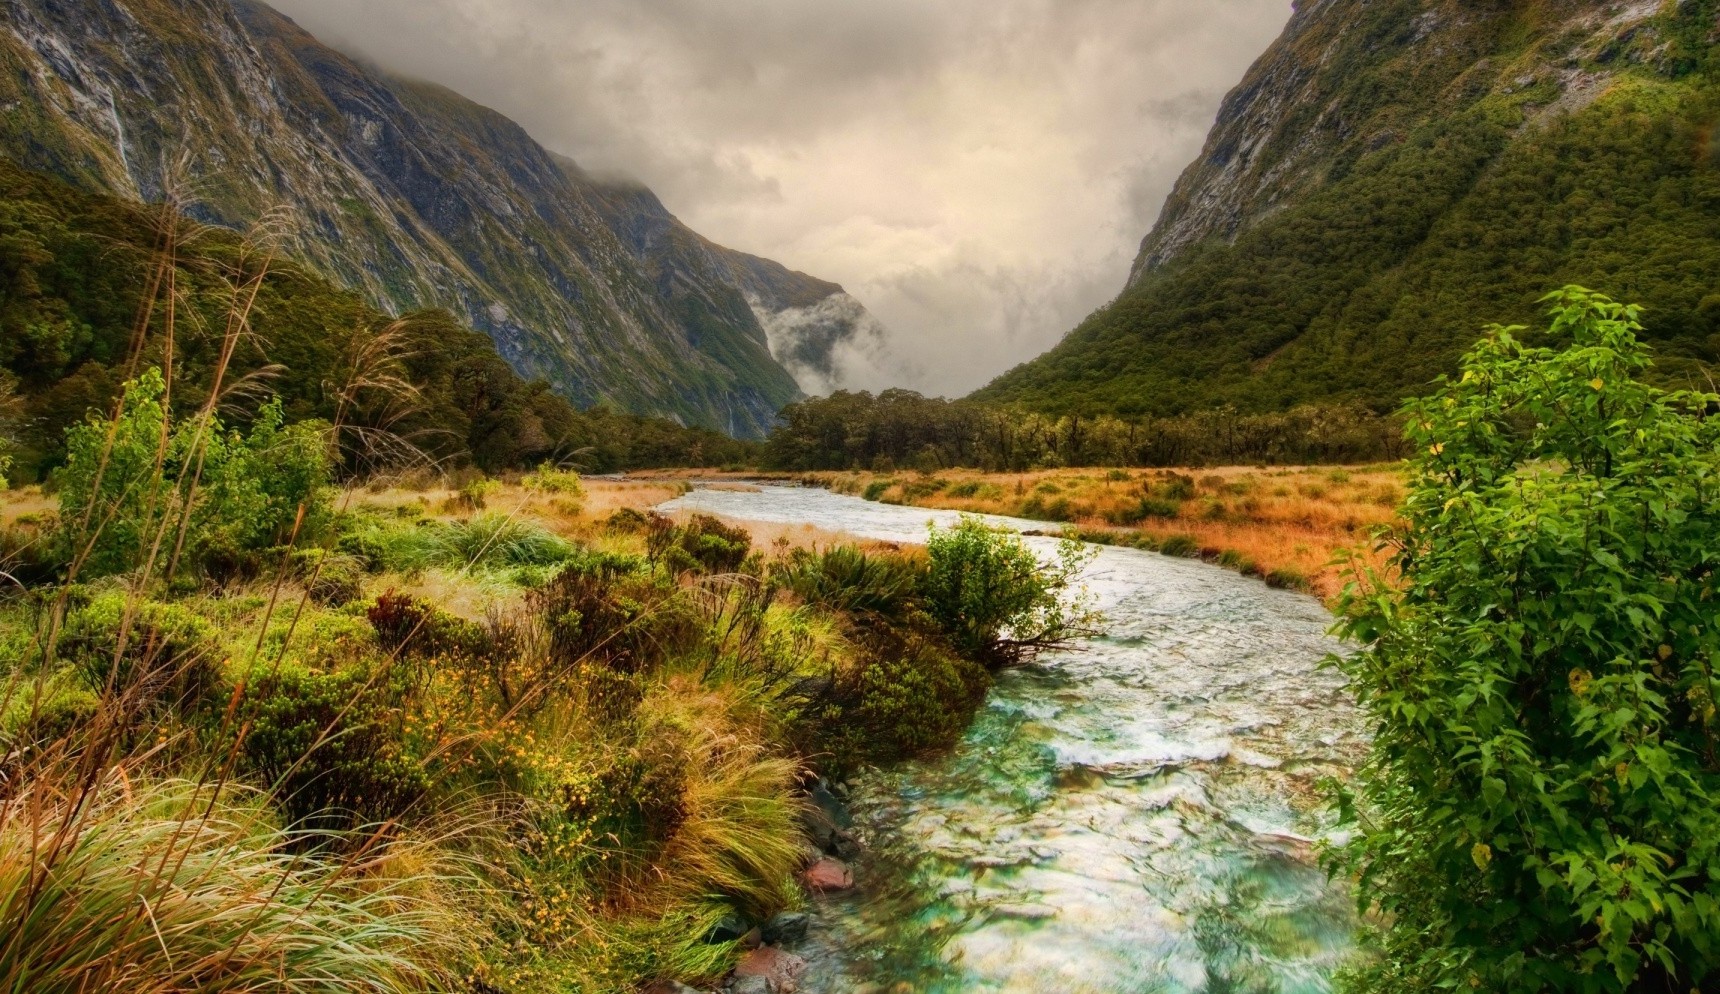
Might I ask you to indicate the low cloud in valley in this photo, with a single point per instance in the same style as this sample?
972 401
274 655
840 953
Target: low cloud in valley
978 172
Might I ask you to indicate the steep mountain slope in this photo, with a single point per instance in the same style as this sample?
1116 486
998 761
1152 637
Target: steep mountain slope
1393 174
404 190
814 327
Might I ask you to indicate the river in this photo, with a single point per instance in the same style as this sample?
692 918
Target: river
1140 815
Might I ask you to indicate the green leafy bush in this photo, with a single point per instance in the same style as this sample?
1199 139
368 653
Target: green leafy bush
877 488
1542 809
169 651
127 502
703 544
331 746
994 597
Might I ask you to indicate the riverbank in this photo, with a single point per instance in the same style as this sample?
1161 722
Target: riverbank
1294 527
585 729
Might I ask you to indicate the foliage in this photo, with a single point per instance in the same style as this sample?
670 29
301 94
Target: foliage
165 886
702 544
858 430
151 649
994 596
1542 810
137 489
846 579
330 747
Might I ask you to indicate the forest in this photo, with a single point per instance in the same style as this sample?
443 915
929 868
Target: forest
902 429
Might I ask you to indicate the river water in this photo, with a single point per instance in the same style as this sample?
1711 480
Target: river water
1141 815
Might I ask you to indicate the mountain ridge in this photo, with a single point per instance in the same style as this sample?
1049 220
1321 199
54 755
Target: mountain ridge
1391 176
403 189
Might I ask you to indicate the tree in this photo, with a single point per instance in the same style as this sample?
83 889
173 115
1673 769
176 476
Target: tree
1542 808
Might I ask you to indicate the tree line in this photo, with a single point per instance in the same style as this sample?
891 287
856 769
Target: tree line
902 429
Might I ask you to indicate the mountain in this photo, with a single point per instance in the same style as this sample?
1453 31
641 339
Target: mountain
1391 176
813 327
401 189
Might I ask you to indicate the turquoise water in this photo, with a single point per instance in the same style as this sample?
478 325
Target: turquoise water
1142 815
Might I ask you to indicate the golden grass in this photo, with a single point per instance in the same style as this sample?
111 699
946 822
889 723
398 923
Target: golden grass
1298 519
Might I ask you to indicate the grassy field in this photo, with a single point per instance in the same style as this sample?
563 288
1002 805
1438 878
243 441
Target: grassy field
1294 527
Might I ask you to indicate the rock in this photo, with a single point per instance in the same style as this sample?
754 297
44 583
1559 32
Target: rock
828 876
787 929
668 987
732 928
780 970
753 939
827 823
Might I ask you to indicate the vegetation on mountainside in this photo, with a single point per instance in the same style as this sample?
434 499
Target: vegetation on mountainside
1542 809
1362 290
902 429
81 275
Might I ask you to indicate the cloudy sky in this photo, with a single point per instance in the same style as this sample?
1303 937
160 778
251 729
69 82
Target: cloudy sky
978 172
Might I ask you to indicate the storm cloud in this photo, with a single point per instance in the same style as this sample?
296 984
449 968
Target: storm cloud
978 172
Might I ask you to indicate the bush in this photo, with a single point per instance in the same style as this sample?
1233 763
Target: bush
550 480
1141 510
1543 801
1180 547
703 544
222 496
995 599
876 489
170 652
330 746
330 578
916 696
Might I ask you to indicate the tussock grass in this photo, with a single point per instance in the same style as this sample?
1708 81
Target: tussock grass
166 886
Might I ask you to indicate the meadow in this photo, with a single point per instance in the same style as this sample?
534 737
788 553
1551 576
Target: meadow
1302 528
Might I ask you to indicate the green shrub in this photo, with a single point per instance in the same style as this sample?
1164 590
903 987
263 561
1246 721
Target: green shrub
914 697
965 490
170 652
703 544
876 489
995 599
330 578
550 480
330 746
228 496
1542 808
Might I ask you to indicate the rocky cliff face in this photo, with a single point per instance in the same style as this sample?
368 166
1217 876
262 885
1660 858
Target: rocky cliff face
1352 77
402 189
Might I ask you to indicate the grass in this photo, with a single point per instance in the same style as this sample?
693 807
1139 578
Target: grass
169 886
525 820
1293 527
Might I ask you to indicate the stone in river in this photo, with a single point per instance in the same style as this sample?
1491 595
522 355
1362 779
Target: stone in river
781 971
787 928
828 876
